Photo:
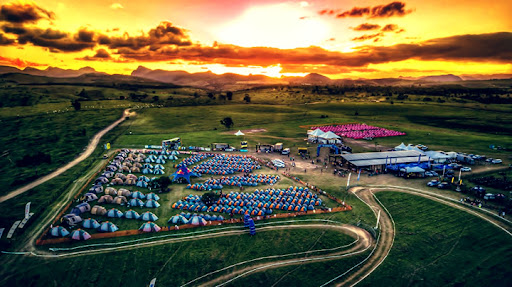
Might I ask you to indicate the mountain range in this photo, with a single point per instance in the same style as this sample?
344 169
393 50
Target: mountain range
230 81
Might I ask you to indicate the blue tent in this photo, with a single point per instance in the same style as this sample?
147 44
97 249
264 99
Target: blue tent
178 219
152 203
183 172
131 214
59 231
148 216
90 223
116 213
153 196
136 202
108 227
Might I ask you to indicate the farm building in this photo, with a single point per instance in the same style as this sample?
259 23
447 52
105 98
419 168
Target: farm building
377 160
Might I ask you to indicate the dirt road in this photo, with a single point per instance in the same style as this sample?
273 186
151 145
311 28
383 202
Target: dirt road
87 152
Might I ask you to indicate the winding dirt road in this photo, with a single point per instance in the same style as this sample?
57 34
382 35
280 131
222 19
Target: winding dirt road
87 152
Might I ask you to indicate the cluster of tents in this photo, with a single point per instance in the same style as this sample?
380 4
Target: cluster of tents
194 219
249 180
226 164
258 203
359 131
195 159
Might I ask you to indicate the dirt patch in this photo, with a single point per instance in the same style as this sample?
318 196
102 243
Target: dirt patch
369 145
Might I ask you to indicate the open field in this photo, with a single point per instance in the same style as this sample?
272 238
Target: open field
445 129
433 242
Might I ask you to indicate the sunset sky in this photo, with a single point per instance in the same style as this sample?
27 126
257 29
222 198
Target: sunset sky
340 39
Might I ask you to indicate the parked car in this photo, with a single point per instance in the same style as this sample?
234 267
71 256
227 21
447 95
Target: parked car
465 168
489 196
278 163
497 161
286 151
433 183
443 185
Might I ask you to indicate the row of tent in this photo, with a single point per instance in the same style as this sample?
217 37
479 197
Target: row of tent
195 159
250 180
80 234
74 217
226 164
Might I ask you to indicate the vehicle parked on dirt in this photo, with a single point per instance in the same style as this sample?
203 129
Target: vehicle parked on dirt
433 183
443 185
496 161
489 196
465 168
286 151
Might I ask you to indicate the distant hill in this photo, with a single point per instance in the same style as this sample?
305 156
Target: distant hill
441 78
205 79
51 71
231 81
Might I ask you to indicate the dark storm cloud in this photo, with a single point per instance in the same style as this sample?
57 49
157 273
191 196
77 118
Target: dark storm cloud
24 13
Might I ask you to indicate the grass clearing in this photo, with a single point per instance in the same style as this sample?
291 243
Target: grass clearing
440 245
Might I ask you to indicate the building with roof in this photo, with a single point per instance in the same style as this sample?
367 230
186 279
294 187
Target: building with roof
378 160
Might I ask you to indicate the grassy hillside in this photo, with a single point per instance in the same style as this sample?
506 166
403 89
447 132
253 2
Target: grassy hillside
441 246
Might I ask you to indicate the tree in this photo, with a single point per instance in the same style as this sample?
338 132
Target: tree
160 183
227 122
247 98
156 98
229 95
77 105
210 198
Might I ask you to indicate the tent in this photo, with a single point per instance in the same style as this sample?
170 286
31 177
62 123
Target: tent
329 135
413 169
138 194
149 227
120 200
80 234
89 197
117 181
98 210
159 166
153 196
81 208
148 216
96 189
152 203
59 231
90 223
239 133
108 227
115 213
143 178
130 181
142 184
316 133
178 219
158 172
111 191
124 192
197 220
71 219
106 199
136 202
401 146
131 214
183 172
173 157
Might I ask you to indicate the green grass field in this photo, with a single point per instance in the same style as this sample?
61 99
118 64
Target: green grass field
175 263
441 246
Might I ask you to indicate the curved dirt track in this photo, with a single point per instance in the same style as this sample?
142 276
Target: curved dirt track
364 242
87 152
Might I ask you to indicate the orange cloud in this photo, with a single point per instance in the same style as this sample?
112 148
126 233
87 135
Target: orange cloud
18 62
381 11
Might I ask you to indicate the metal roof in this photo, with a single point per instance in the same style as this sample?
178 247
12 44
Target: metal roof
382 155
380 158
369 162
